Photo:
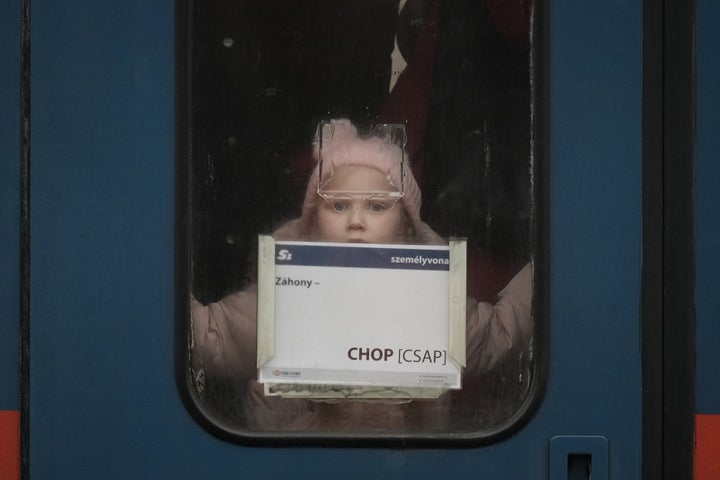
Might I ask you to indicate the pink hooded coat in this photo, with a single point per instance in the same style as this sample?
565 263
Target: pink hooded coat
224 332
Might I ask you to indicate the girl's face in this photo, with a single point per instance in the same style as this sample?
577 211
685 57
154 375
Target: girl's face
359 217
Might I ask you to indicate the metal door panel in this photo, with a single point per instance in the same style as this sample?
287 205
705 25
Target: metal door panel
103 402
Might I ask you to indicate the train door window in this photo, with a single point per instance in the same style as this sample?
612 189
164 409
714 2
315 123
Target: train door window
331 134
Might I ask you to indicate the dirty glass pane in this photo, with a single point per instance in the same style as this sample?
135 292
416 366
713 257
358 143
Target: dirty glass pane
260 76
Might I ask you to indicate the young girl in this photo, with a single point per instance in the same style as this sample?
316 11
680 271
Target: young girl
359 192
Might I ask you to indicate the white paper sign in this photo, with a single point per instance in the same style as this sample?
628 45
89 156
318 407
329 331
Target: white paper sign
361 314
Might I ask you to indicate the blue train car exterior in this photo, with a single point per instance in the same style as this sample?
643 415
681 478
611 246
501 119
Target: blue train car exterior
10 225
88 235
707 244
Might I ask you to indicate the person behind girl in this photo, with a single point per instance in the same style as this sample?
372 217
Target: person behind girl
360 192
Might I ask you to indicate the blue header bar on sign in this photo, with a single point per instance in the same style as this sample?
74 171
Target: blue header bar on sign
342 255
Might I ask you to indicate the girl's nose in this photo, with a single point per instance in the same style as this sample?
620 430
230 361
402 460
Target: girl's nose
356 220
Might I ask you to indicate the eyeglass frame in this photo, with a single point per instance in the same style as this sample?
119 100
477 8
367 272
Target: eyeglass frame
384 131
330 196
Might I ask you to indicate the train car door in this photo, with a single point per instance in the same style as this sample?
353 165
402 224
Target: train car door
92 235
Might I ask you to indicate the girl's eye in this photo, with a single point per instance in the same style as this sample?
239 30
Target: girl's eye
339 206
377 207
